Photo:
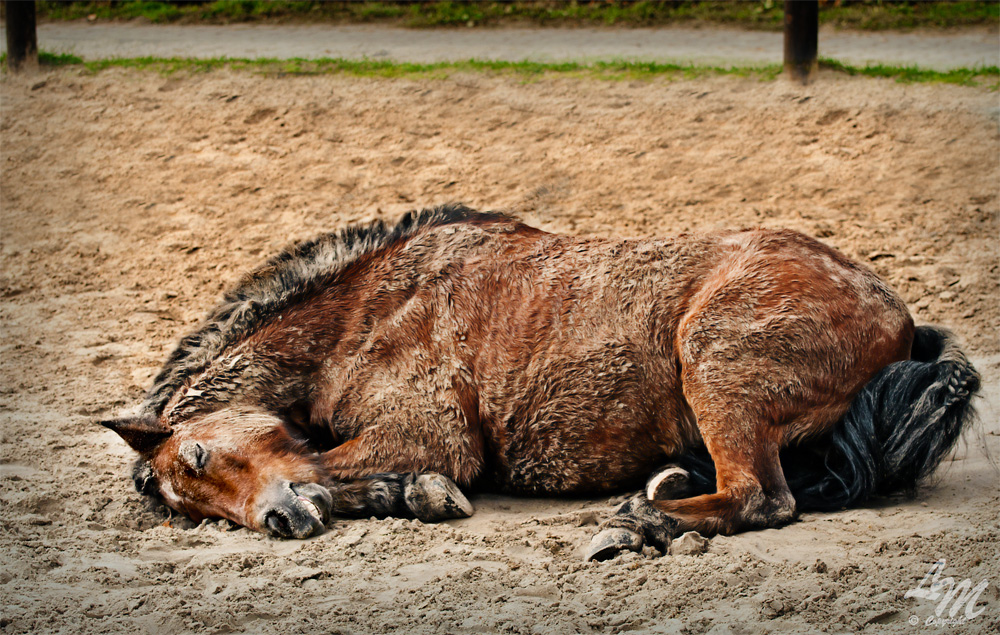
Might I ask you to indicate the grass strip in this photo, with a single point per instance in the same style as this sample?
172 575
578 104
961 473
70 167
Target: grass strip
390 69
760 14
608 70
989 75
614 70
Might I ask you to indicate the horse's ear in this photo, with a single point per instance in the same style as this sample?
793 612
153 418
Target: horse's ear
143 433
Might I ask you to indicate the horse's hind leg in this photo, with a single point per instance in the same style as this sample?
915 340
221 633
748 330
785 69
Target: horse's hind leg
773 349
736 419
752 493
428 497
637 522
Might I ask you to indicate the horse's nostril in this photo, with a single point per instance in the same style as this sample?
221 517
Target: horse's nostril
278 524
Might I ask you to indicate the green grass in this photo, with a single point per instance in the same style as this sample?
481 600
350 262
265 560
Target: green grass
615 70
56 59
611 70
989 75
760 14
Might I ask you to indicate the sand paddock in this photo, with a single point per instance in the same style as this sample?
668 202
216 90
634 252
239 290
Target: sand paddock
130 199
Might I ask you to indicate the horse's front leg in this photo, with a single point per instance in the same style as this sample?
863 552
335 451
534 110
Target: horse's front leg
428 497
376 474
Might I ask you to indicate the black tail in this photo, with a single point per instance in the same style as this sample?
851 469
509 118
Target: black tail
896 432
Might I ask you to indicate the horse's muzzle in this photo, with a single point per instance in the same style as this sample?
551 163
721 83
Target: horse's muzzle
297 510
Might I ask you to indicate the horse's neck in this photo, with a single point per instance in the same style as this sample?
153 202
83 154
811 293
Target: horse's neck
275 366
240 375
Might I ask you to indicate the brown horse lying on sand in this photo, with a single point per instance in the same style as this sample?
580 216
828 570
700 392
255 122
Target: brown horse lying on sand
382 369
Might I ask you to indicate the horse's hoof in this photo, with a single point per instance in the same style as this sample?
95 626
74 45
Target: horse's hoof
610 542
670 483
433 498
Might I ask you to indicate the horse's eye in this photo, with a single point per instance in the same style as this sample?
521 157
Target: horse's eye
194 454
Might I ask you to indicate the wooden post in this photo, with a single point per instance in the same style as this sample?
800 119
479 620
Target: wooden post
801 36
22 41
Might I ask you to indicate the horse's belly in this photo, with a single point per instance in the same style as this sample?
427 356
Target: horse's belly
590 415
585 454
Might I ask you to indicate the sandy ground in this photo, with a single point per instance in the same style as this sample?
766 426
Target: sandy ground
940 50
130 199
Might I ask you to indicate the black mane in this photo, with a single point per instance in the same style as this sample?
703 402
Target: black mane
286 278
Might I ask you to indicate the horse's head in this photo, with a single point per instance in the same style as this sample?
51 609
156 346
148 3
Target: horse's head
241 465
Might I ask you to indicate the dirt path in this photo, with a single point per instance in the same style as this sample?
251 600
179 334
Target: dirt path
130 199
940 51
